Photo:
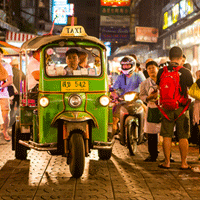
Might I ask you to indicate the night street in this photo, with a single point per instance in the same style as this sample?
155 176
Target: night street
43 176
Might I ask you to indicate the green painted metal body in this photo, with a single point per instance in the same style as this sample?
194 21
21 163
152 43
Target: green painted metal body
58 107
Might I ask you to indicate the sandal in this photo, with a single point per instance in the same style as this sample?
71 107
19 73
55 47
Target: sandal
186 168
163 167
7 138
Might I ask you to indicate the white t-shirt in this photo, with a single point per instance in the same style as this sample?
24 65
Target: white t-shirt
34 65
8 67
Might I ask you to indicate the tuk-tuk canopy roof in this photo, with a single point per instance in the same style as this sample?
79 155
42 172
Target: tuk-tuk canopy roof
40 41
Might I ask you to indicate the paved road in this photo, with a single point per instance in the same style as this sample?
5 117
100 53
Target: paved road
123 177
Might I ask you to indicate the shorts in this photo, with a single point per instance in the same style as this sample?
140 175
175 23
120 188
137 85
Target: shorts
182 124
5 104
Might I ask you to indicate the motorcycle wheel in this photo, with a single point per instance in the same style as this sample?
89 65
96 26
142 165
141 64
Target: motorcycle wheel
131 140
20 150
76 155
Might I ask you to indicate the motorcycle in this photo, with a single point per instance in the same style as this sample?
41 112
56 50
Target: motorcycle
131 121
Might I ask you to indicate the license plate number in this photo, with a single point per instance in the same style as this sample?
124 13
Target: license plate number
74 86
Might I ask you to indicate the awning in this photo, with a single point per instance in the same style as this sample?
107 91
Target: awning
18 37
130 49
8 26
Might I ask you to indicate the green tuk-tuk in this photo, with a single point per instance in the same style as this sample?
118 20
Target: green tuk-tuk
70 114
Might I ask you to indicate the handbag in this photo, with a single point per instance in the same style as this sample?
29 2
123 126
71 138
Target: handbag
3 73
154 115
194 91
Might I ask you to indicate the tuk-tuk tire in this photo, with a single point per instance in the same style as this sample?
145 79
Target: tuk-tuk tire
76 157
105 154
20 150
131 143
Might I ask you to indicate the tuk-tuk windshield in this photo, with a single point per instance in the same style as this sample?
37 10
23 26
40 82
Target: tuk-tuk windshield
72 61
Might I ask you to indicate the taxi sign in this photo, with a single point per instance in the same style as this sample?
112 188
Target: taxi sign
74 86
73 31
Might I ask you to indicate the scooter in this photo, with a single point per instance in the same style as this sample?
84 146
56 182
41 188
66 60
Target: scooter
131 123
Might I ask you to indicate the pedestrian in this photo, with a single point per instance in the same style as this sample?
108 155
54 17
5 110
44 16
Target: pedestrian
16 84
145 71
183 60
195 93
187 66
138 69
152 123
182 123
4 96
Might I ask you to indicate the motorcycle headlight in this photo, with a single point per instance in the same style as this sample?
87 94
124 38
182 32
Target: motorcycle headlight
104 100
44 101
129 97
74 101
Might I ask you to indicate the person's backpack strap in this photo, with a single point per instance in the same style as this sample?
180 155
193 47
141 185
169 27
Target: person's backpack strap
165 69
165 115
178 68
162 111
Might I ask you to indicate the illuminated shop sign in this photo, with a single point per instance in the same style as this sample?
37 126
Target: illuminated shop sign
115 2
115 10
115 33
183 11
175 13
61 9
178 11
146 34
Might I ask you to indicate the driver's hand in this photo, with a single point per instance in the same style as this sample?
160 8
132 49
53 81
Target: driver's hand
114 95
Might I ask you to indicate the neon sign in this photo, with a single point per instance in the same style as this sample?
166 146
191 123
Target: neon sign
61 9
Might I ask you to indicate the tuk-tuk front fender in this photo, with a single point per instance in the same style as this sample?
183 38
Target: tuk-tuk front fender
74 117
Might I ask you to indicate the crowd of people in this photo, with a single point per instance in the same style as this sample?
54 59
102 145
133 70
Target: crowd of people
166 123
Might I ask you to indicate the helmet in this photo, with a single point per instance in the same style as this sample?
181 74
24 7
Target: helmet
128 60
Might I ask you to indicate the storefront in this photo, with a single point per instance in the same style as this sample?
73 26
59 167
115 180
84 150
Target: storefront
188 39
181 27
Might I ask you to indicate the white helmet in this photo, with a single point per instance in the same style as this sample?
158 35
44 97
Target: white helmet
128 60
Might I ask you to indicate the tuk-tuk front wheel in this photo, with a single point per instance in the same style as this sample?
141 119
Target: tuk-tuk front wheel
76 158
105 154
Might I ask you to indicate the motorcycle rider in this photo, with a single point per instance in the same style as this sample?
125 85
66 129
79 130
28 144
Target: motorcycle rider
128 81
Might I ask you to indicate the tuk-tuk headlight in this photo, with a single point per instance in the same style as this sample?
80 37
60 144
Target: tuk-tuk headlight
44 101
129 97
104 100
75 101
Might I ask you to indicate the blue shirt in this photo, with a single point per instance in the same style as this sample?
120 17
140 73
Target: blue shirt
128 84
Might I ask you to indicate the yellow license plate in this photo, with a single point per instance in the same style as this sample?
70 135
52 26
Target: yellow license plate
74 86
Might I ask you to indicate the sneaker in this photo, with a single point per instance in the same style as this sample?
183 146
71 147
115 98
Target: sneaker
150 159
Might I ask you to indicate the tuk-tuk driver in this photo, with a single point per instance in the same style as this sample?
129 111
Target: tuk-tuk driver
34 70
72 61
128 81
